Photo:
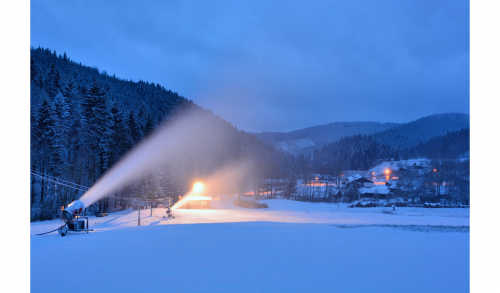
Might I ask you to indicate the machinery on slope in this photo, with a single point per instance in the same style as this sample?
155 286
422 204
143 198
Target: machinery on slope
74 221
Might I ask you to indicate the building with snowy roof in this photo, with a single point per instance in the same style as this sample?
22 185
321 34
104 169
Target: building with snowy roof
375 191
197 202
335 193
393 182
349 173
360 181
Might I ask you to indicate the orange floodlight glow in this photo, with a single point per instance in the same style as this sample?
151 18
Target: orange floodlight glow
387 171
198 187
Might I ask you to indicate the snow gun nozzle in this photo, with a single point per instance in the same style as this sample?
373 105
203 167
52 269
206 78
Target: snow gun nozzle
73 209
67 215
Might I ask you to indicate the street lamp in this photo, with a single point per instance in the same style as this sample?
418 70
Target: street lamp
437 182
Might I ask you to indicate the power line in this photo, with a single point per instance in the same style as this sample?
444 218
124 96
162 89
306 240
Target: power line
141 198
59 179
85 188
59 183
53 177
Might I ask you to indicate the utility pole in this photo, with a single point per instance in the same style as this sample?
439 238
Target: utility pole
438 191
151 206
139 214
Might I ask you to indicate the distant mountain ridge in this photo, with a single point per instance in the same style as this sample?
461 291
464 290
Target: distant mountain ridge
305 141
423 129
308 139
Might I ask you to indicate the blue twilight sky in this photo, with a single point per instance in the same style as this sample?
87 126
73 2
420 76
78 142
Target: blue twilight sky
276 65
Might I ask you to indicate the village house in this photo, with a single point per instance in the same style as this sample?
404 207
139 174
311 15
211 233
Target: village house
335 193
379 189
197 202
374 192
349 173
359 181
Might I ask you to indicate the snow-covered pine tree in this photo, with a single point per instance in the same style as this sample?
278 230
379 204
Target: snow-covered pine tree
53 85
290 184
43 139
60 135
120 140
160 190
134 128
148 126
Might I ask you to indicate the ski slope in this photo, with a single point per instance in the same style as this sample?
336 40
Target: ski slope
290 247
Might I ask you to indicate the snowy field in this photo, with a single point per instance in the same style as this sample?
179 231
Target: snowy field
290 247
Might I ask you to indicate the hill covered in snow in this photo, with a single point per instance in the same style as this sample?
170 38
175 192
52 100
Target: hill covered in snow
305 141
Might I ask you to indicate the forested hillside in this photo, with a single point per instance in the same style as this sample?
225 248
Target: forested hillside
362 152
305 141
421 130
453 145
83 121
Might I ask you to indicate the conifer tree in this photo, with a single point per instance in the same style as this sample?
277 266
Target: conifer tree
148 127
43 138
53 83
33 70
119 138
134 128
60 134
290 184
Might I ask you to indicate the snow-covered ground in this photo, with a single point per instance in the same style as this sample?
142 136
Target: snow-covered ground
289 247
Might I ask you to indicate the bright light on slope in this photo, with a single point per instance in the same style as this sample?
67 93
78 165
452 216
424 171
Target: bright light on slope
198 187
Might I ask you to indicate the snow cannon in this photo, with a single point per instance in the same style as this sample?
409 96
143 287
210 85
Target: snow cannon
74 222
73 209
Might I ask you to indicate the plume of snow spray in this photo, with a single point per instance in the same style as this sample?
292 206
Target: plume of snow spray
180 138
